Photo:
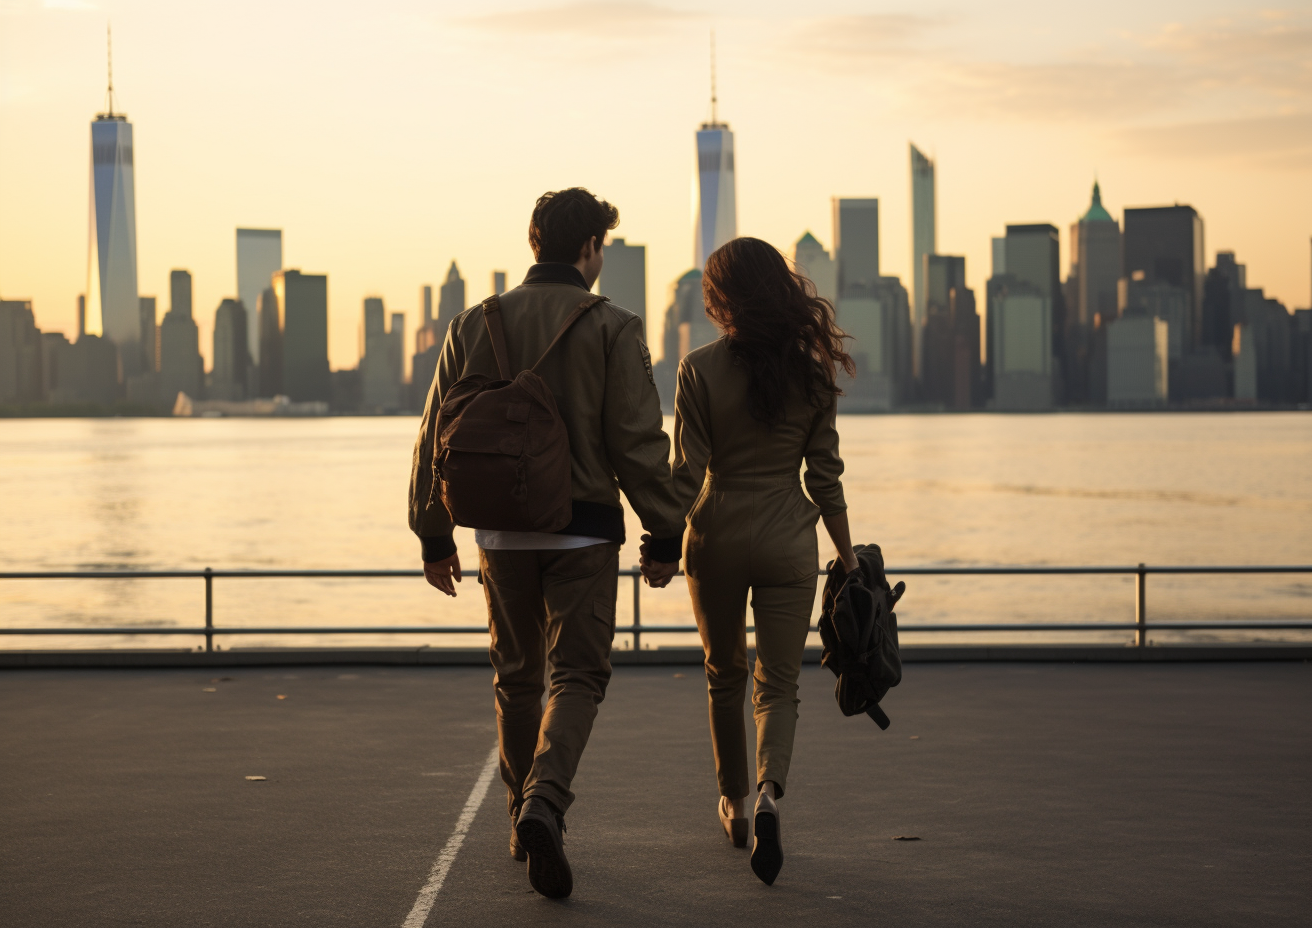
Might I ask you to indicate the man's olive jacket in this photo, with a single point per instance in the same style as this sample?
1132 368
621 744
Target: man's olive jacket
600 376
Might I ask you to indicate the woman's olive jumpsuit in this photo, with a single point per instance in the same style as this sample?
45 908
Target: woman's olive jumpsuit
751 529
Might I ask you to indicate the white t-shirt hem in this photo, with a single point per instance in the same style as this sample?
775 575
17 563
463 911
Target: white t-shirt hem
533 541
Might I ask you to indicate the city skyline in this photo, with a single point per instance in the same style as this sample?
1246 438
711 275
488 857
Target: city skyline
1254 199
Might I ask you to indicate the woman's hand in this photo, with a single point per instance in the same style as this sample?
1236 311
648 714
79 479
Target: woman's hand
839 533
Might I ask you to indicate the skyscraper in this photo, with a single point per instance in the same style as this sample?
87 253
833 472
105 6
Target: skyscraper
624 277
942 274
1033 258
818 266
950 362
114 311
451 303
685 327
303 305
1223 302
269 321
149 335
1164 244
924 237
1095 263
1137 361
428 345
499 282
20 353
717 206
381 359
231 351
181 369
259 256
1020 344
856 241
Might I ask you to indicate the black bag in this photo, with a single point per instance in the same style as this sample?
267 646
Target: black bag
859 631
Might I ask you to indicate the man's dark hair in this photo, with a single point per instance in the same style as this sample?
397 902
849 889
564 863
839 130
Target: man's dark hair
565 220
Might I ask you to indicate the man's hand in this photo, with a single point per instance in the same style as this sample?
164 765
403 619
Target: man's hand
657 573
440 573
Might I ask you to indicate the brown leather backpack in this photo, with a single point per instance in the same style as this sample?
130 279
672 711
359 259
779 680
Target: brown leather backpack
501 457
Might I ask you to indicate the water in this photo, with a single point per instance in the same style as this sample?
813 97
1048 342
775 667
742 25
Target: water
932 490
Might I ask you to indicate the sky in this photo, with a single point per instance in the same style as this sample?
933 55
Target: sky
388 139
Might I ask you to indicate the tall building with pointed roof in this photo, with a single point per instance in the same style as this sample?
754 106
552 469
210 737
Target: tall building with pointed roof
450 301
717 204
113 307
1095 263
818 266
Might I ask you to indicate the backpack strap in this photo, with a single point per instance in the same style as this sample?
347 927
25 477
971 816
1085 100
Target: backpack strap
573 318
497 332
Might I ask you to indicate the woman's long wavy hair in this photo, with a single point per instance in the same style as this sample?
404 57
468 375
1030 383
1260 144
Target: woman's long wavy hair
775 326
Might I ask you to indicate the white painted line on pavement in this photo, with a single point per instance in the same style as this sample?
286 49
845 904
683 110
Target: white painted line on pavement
437 876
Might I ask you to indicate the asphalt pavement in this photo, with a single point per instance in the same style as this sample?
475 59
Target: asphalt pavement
1041 794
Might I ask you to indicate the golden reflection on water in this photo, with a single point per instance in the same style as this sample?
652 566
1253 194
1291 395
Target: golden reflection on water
942 490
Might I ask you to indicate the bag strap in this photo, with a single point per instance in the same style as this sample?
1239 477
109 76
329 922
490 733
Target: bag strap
492 316
497 332
573 318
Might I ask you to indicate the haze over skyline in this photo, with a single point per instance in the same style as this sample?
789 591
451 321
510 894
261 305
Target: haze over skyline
387 141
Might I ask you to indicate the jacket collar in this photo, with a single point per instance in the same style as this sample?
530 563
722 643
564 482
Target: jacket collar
555 272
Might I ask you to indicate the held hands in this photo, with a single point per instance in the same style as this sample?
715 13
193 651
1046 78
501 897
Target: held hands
441 573
658 574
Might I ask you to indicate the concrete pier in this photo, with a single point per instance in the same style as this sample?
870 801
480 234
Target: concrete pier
1042 794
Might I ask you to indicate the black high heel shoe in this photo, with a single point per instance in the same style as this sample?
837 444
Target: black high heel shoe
768 851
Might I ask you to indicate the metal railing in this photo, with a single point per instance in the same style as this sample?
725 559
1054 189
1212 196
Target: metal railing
1140 626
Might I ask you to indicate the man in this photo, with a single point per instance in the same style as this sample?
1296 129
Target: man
551 597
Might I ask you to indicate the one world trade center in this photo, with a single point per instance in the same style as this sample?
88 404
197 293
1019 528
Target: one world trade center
113 308
717 207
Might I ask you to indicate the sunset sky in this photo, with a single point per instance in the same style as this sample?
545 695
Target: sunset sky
388 138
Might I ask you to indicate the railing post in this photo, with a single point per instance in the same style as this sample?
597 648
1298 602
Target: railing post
637 612
209 609
1141 608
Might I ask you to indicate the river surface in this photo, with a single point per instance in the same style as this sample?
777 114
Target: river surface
78 494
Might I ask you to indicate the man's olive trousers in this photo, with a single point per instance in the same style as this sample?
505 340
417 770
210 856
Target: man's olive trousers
548 609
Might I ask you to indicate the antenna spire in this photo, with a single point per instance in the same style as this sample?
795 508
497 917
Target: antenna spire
109 41
714 120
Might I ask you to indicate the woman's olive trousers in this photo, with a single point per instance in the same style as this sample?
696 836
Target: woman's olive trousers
760 544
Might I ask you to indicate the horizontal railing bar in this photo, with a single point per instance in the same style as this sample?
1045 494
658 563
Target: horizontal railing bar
198 574
665 629
276 630
632 572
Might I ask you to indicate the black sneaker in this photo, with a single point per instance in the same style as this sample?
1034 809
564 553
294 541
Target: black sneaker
539 831
516 849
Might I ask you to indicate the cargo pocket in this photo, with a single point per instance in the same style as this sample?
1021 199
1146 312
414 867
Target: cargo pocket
604 612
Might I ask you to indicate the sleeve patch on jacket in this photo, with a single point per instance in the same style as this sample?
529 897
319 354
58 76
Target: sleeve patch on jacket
646 361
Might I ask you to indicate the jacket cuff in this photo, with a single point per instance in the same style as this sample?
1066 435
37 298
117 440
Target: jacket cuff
665 550
437 547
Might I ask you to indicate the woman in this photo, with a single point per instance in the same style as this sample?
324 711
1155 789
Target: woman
751 407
